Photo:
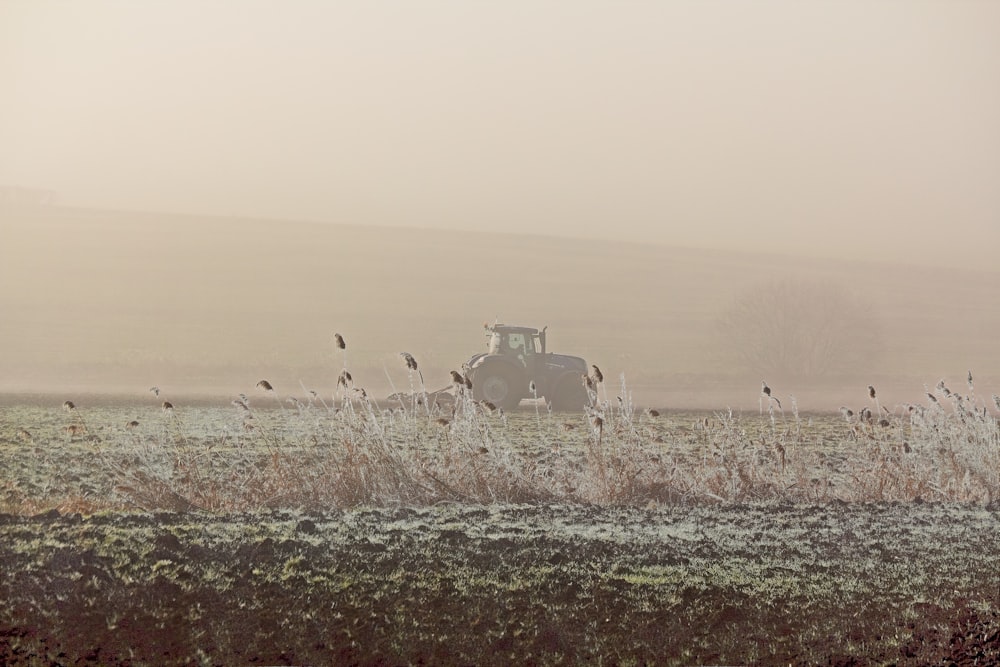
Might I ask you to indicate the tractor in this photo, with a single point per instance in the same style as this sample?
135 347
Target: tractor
516 365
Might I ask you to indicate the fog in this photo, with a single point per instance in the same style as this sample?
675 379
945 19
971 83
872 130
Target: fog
202 193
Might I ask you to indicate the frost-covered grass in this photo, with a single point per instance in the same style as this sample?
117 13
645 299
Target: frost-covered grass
300 452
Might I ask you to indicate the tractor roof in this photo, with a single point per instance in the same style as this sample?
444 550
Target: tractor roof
511 329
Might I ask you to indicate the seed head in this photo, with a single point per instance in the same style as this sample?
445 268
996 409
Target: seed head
338 340
411 363
598 376
457 378
167 406
265 385
155 391
69 405
871 391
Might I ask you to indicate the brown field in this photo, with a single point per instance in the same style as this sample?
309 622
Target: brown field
782 584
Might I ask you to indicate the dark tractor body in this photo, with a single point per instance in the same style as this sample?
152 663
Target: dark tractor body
515 358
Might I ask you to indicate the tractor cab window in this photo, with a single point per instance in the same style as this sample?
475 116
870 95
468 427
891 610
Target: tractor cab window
519 347
516 342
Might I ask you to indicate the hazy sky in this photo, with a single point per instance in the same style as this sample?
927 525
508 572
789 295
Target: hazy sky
855 129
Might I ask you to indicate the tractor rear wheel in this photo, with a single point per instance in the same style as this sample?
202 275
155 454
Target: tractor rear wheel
569 396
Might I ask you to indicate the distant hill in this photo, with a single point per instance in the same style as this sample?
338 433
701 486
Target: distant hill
118 301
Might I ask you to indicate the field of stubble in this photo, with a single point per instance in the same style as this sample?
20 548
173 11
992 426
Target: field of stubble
352 534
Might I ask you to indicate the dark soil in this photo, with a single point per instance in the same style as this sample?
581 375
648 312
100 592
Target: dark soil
503 585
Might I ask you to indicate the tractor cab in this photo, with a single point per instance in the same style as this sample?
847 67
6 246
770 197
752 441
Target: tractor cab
520 343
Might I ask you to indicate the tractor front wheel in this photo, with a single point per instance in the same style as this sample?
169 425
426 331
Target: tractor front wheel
498 385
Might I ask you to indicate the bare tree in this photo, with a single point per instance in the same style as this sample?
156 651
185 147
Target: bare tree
797 328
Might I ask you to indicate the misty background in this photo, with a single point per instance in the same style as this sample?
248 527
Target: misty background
695 194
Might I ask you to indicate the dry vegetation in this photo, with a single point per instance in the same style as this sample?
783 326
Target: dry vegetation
272 450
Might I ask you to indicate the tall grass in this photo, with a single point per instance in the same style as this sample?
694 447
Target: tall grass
422 450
